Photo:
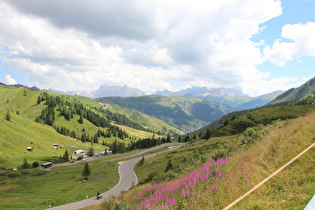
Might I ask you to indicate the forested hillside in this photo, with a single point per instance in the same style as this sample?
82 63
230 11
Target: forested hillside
184 113
67 116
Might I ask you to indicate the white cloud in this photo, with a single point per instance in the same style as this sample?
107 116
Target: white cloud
9 80
267 86
145 44
300 41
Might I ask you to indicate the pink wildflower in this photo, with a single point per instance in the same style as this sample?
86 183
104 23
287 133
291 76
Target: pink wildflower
217 171
214 187
170 202
185 193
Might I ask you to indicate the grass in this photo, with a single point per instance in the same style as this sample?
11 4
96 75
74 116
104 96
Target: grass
250 164
291 189
34 189
20 132
145 120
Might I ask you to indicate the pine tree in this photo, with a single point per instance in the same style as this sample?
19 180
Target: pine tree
91 152
8 116
66 156
81 119
39 99
169 166
95 140
86 171
25 164
168 138
208 134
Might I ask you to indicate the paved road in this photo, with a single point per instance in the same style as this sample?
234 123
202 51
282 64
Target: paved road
127 178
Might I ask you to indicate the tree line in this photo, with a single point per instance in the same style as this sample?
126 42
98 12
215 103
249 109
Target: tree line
69 109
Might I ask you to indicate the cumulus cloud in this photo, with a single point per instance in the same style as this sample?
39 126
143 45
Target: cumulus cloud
9 80
299 41
147 44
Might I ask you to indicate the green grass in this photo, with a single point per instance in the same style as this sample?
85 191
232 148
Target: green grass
143 119
189 152
34 189
21 100
247 166
20 133
138 134
262 117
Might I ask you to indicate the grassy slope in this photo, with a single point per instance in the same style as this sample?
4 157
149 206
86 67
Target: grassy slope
23 130
282 141
306 89
182 112
18 134
264 117
33 189
21 100
145 120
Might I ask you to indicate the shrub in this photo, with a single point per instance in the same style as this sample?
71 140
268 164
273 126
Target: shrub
35 164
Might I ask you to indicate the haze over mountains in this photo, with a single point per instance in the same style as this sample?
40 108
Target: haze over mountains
106 91
233 97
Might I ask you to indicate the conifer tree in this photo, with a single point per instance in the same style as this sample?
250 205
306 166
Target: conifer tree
81 119
8 116
169 166
86 171
66 156
25 164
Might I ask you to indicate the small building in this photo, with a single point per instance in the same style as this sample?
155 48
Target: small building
79 153
47 165
29 149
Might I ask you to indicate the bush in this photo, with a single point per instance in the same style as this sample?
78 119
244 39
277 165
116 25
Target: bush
169 166
25 164
150 177
35 164
13 175
220 154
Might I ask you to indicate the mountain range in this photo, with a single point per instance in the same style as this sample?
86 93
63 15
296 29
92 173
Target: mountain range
233 97
184 113
105 91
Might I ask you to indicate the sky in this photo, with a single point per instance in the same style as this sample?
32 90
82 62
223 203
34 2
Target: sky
76 45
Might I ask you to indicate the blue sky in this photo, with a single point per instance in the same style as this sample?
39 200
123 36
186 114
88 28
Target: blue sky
293 12
260 46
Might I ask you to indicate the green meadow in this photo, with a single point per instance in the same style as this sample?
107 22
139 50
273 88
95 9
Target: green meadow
251 157
36 189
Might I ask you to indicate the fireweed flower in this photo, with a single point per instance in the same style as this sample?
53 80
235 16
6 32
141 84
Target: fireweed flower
164 194
214 187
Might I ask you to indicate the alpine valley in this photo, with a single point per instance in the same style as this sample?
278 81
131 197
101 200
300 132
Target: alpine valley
223 148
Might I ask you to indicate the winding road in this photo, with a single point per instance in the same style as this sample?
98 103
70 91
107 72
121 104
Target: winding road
127 178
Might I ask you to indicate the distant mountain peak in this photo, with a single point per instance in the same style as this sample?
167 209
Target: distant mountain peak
123 91
203 91
34 88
